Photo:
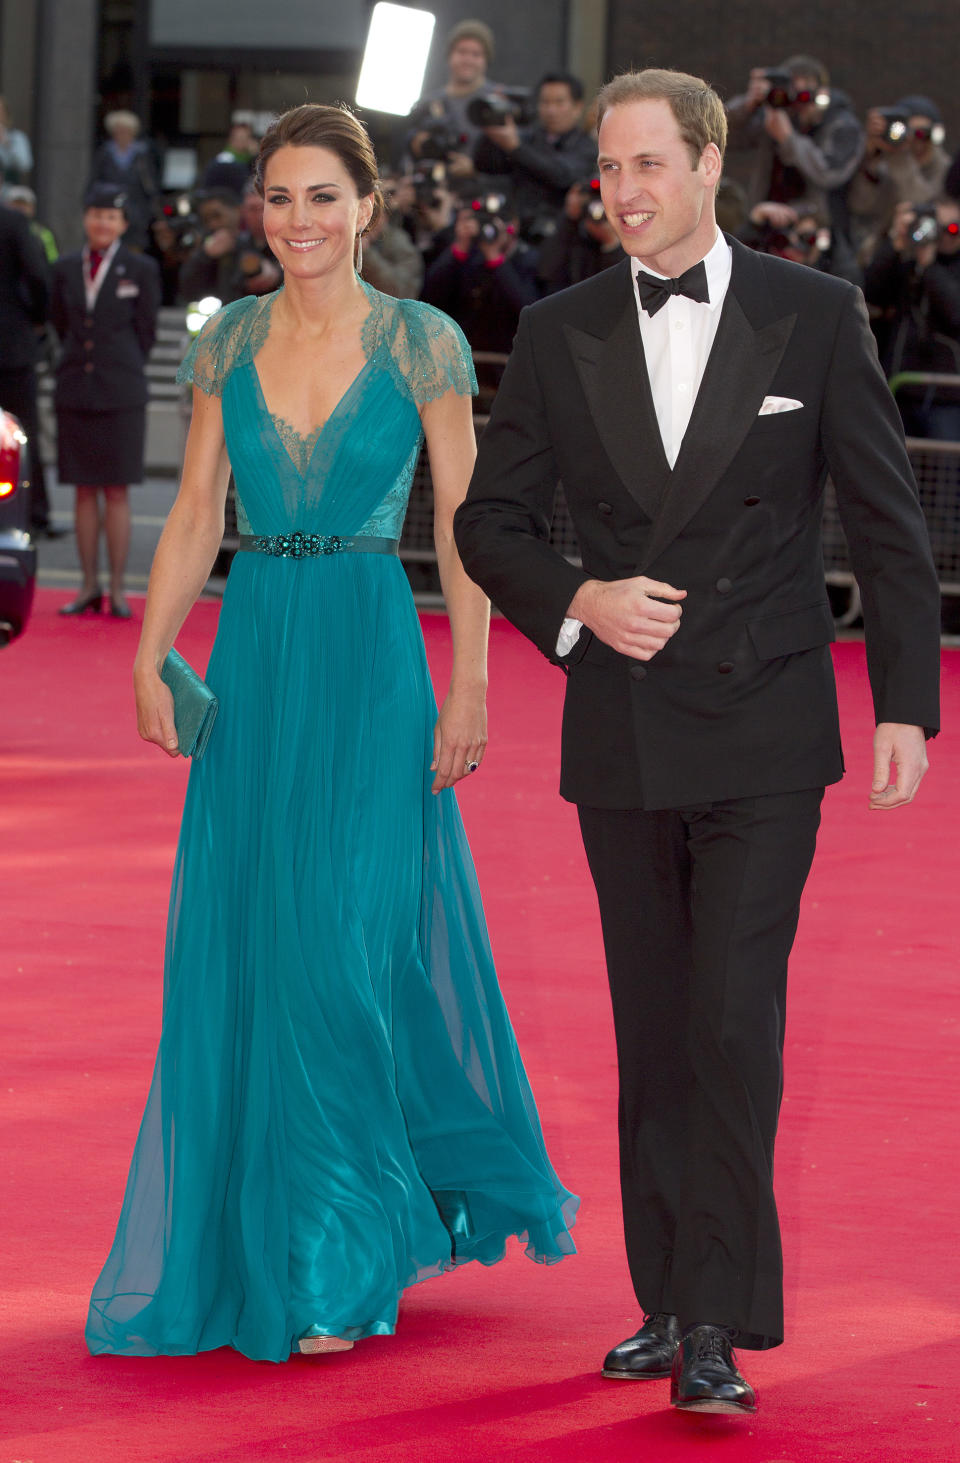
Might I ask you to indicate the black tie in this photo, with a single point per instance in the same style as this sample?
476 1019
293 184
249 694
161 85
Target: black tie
656 292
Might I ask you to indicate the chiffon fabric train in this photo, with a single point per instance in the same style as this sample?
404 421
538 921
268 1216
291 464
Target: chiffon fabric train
338 1107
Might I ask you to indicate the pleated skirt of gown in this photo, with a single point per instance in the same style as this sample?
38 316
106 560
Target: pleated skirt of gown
338 1108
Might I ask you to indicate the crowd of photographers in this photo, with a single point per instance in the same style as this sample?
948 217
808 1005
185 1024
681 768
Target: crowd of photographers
494 200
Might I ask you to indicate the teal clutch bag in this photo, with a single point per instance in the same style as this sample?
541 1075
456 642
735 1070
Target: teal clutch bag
194 705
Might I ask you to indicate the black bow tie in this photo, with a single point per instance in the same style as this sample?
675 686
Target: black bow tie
656 292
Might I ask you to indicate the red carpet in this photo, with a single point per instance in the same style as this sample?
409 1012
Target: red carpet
499 1364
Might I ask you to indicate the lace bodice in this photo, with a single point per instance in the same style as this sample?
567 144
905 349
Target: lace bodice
425 350
352 473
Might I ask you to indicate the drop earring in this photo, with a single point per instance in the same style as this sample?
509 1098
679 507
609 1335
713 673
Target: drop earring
359 263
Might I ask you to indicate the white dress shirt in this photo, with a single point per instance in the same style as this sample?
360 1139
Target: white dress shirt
677 341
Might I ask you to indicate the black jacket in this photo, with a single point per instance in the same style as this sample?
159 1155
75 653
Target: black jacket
485 302
540 171
104 352
24 291
741 701
920 330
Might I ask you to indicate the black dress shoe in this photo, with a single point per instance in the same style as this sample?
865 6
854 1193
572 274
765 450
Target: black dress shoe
705 1376
646 1355
119 609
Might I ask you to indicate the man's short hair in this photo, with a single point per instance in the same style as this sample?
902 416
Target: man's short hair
472 30
700 113
807 66
227 196
563 78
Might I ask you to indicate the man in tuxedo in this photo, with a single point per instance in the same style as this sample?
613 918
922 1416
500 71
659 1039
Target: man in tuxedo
692 401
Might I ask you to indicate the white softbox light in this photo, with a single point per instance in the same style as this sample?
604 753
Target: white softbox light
395 58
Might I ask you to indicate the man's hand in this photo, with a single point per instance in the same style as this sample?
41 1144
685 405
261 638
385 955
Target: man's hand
758 88
506 136
904 218
905 746
778 124
629 614
220 242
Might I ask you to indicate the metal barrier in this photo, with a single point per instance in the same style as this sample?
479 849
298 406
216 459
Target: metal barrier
936 465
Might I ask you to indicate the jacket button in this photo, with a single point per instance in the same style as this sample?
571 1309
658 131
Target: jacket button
750 502
88 367
604 508
724 586
638 672
88 320
88 345
725 667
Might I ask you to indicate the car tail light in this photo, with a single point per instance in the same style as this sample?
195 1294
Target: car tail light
12 440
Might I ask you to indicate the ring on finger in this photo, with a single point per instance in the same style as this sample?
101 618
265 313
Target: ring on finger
472 766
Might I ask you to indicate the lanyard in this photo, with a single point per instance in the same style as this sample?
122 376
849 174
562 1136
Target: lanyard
91 286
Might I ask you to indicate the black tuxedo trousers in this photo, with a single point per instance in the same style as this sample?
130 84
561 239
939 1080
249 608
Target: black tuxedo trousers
699 910
699 774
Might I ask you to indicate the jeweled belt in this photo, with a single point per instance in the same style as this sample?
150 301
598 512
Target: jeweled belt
312 545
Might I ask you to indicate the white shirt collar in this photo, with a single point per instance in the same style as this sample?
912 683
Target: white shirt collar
718 263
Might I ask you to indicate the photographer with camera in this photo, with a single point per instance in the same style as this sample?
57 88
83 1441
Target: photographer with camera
227 262
914 279
486 276
440 129
583 243
799 232
544 159
808 144
392 263
905 161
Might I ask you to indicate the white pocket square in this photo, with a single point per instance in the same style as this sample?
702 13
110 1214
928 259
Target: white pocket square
772 404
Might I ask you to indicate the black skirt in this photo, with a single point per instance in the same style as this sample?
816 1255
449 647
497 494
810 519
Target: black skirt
101 449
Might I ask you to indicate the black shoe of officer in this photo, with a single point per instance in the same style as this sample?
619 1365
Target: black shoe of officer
646 1355
705 1376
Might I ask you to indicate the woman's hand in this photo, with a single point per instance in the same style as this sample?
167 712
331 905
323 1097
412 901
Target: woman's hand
155 710
459 738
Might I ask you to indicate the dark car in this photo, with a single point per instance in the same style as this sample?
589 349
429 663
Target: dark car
18 555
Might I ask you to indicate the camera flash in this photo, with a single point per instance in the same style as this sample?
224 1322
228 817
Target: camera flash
395 58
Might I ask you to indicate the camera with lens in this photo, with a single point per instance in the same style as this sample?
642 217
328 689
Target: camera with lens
781 89
896 121
925 228
441 137
491 213
494 108
180 219
427 183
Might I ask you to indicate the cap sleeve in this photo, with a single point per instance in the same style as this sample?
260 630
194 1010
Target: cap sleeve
218 348
440 358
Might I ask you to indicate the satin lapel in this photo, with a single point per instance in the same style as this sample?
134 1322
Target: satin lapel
613 373
742 364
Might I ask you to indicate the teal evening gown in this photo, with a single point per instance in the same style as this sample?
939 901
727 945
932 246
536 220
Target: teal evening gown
338 1108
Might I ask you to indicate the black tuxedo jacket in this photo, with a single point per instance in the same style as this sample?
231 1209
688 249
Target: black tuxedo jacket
741 701
104 351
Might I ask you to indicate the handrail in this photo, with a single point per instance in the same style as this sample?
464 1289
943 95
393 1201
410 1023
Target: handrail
921 378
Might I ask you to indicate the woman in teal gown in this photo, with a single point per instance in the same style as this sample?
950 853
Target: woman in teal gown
338 1108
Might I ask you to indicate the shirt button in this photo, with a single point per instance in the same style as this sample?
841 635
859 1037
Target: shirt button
88 345
682 388
750 502
638 672
724 586
604 508
725 667
678 325
88 367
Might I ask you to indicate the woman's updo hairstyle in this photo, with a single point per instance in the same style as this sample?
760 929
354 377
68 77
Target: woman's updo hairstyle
336 129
